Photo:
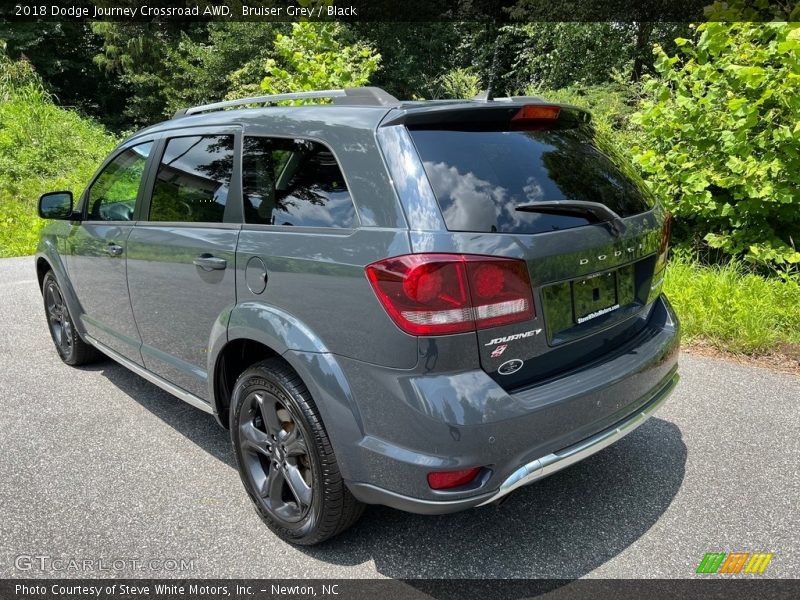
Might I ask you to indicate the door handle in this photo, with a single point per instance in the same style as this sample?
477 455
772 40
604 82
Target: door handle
114 249
210 262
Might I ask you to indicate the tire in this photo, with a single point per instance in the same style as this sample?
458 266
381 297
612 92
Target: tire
69 345
285 458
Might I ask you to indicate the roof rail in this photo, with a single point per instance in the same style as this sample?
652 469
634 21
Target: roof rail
362 96
520 99
369 96
484 97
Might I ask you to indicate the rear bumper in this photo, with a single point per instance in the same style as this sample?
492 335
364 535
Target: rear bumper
527 473
547 465
417 422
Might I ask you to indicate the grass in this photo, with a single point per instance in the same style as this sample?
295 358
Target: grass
43 147
733 310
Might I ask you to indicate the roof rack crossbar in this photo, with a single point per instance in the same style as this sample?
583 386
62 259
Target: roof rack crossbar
362 95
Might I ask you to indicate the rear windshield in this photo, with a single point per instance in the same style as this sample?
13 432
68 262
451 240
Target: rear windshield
481 177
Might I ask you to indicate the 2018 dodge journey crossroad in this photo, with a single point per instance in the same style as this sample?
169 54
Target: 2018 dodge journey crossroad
419 304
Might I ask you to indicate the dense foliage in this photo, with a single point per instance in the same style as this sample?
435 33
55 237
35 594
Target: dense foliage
42 148
313 57
63 55
720 138
710 118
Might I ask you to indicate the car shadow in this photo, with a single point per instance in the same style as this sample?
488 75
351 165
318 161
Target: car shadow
562 527
197 426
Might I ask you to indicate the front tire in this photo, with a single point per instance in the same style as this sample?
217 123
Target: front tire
69 345
285 457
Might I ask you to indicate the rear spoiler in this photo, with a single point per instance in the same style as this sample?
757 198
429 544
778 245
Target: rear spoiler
499 110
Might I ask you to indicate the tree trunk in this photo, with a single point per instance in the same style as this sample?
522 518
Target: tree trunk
641 50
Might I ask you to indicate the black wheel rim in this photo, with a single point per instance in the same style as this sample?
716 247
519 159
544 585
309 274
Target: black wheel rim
275 456
58 319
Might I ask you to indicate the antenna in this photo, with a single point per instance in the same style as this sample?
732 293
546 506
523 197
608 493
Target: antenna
487 95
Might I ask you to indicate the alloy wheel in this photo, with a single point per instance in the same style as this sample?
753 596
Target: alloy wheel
58 319
275 456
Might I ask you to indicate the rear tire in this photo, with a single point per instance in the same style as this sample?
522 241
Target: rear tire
69 345
285 458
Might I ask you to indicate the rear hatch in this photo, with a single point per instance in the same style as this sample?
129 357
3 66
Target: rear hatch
534 182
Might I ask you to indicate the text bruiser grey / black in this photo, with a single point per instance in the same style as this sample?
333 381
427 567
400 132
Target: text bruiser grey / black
419 304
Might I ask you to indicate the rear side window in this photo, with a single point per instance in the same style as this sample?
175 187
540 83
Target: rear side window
293 183
479 177
112 196
193 180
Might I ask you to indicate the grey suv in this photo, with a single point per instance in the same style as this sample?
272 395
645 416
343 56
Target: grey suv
424 305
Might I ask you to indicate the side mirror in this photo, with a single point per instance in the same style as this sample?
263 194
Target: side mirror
56 205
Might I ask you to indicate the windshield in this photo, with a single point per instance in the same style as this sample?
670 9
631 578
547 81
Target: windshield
480 177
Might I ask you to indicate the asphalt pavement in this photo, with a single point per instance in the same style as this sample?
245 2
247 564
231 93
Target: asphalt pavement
97 463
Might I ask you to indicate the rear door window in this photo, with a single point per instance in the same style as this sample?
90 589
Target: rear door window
294 182
479 177
193 180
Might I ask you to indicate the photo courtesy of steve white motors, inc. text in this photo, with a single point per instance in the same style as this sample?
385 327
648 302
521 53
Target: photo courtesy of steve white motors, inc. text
207 10
173 589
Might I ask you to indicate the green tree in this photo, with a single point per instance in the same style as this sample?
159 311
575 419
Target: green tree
556 55
414 56
314 57
141 56
202 69
458 83
721 139
62 54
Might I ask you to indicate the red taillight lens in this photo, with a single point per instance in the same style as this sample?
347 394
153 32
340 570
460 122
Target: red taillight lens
424 294
442 480
666 233
435 294
534 116
500 290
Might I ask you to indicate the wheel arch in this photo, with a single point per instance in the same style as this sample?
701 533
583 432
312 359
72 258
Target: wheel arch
52 262
256 332
334 400
42 267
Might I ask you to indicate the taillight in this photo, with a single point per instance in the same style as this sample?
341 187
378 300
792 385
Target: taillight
442 480
435 294
534 116
666 233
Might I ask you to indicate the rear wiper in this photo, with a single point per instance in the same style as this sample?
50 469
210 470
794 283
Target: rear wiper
600 212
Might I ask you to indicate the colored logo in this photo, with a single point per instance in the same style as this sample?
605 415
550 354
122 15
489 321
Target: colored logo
499 350
734 562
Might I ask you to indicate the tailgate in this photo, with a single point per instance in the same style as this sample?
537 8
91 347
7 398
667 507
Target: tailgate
520 189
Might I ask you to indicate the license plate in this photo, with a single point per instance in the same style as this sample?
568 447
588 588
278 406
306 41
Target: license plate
594 296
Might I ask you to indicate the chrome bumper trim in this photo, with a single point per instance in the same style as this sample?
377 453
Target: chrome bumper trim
547 465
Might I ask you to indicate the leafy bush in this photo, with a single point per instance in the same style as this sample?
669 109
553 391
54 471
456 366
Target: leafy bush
42 148
459 83
721 136
313 57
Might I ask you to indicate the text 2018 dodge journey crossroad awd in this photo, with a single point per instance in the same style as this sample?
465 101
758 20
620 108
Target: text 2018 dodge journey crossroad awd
419 304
